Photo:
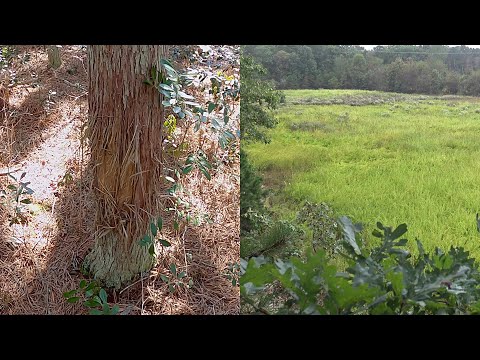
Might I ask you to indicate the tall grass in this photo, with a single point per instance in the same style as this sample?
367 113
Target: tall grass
415 161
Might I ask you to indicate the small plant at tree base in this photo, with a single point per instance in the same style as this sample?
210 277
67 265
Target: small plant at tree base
94 297
66 179
232 273
175 279
149 239
15 197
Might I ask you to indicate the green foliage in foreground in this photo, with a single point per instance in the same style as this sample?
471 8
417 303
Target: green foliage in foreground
94 298
383 280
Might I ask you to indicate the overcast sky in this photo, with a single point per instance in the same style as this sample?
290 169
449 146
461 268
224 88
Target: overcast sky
370 47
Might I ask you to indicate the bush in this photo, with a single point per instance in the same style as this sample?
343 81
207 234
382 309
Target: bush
252 196
384 280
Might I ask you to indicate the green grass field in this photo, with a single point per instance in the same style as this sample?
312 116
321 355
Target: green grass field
415 160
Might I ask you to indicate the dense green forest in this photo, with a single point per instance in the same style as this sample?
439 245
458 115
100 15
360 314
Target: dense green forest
426 69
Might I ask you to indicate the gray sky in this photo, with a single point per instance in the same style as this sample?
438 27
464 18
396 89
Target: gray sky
370 47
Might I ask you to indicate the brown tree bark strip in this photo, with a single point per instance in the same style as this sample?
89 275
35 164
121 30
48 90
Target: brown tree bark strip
54 58
125 130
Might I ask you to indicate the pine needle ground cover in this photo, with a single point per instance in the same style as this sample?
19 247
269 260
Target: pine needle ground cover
374 156
43 113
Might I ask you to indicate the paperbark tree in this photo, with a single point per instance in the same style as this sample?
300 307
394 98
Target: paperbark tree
125 132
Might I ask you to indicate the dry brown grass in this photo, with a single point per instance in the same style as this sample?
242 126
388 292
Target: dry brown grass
33 278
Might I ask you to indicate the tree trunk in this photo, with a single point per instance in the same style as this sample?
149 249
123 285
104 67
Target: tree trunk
124 128
54 59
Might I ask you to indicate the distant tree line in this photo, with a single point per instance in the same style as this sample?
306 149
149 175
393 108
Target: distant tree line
425 69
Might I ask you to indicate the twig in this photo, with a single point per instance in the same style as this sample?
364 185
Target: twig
184 252
136 282
143 301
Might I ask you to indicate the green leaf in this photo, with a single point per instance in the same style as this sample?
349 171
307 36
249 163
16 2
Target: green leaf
164 278
166 103
173 269
26 201
166 87
175 225
83 283
215 124
191 103
69 293
153 228
171 288
95 312
12 187
103 295
377 233
92 285
177 109
91 303
73 299
160 224
148 82
181 275
396 278
226 119
399 231
186 96
190 159
168 66
151 250
211 106
401 242
146 240
229 134
349 233
187 169
88 293
115 309
206 173
165 243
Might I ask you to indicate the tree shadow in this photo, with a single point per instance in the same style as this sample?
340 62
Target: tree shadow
44 274
35 93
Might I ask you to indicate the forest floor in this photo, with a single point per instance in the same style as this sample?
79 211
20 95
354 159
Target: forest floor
42 116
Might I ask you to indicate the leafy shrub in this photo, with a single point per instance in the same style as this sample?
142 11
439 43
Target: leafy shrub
251 196
94 298
327 232
15 198
384 280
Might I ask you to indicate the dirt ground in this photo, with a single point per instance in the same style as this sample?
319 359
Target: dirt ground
42 116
